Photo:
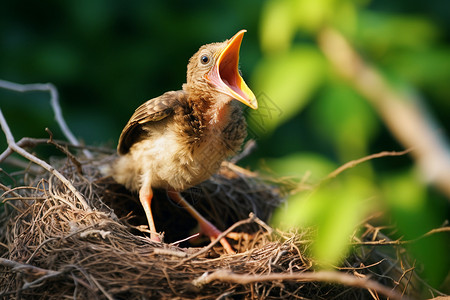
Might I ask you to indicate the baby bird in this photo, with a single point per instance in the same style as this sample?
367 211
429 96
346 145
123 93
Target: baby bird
179 139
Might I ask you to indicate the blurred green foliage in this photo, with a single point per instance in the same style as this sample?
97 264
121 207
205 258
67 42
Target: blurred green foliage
296 76
107 57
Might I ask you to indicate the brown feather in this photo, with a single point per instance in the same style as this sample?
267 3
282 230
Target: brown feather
153 110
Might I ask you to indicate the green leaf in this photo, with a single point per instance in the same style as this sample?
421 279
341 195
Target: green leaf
277 26
343 116
287 81
380 33
311 16
415 214
282 19
310 166
334 209
406 197
426 68
347 205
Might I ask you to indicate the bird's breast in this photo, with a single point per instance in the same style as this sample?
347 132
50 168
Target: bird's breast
177 155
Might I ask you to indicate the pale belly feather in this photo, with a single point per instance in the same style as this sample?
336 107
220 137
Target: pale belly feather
167 164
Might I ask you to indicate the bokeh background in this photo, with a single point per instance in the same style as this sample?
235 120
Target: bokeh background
108 57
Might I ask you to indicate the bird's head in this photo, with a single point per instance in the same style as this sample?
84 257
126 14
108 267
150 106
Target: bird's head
215 68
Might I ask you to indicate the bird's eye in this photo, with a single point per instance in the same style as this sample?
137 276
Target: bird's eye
204 59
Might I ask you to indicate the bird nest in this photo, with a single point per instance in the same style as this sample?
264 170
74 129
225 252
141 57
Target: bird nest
83 239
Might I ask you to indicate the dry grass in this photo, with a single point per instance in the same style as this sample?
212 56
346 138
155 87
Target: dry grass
53 248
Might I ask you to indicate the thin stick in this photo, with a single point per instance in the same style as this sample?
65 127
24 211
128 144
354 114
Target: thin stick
249 147
355 162
222 235
101 288
319 276
32 142
12 144
54 100
42 274
25 268
66 151
30 270
184 240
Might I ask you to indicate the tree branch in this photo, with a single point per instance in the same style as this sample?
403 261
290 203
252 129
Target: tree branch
404 114
54 100
356 162
12 144
319 276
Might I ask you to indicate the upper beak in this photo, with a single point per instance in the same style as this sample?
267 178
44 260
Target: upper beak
225 73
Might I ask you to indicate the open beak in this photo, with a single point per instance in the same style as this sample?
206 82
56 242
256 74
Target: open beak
225 76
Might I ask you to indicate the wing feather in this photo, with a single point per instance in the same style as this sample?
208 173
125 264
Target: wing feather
153 110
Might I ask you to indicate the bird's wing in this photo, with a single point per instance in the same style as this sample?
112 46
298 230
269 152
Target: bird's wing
153 110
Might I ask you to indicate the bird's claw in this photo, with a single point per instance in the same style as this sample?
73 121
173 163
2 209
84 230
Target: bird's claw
213 233
237 236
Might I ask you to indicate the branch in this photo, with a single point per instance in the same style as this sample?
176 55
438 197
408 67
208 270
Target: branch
356 162
404 114
251 218
12 144
66 151
386 241
32 142
54 100
320 276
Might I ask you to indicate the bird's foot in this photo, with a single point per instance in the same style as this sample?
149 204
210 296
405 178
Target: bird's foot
213 233
238 236
155 237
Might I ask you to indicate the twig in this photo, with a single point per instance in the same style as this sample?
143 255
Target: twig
32 142
185 239
249 147
23 164
222 235
404 114
263 225
238 169
169 282
436 230
169 252
8 191
12 144
355 162
66 151
101 288
54 100
25 268
24 142
42 274
319 276
384 242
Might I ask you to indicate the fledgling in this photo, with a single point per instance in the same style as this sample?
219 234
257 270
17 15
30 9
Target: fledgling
179 139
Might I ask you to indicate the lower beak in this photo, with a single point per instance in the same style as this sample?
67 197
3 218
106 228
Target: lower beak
225 76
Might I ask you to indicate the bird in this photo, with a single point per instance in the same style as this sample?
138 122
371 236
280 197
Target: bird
179 139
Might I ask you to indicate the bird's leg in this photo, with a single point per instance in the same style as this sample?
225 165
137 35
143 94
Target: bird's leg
145 196
205 226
